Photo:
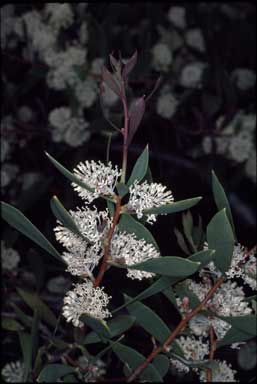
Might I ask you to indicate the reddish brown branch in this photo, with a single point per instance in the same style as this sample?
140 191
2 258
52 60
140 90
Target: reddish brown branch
104 264
180 327
211 355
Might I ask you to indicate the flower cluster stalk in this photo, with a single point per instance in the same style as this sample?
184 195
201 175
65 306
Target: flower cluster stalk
104 263
125 133
165 346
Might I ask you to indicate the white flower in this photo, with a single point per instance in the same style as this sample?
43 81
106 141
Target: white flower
177 16
250 273
85 299
29 179
85 250
86 92
162 57
249 122
58 117
241 146
167 105
97 65
13 372
130 250
244 78
101 178
193 349
8 173
191 75
10 258
224 373
93 371
59 15
194 39
145 196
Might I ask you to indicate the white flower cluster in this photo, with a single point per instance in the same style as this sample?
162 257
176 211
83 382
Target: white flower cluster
67 128
222 374
101 178
13 372
129 250
191 74
145 196
244 78
85 299
193 349
10 258
236 140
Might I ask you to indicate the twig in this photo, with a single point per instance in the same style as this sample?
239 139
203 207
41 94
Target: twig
104 264
211 355
165 346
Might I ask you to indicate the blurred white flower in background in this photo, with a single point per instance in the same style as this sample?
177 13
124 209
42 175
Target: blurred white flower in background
10 258
250 166
244 78
25 114
191 75
194 39
167 105
97 65
59 15
86 92
162 57
8 173
177 16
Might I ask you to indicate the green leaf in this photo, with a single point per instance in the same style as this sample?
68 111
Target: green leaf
233 336
140 168
181 241
204 257
111 208
34 302
148 176
122 189
63 215
117 326
133 359
39 360
11 325
26 346
220 238
187 221
246 324
99 326
148 320
168 266
50 373
221 199
158 286
71 176
162 364
17 220
34 334
173 207
25 319
128 224
195 363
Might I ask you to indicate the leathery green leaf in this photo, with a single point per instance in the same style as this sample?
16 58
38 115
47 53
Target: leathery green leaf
221 199
128 224
50 373
220 238
116 325
133 359
140 168
148 320
99 326
173 207
162 364
17 220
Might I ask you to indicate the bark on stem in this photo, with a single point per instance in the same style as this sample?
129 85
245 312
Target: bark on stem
104 264
125 133
173 335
